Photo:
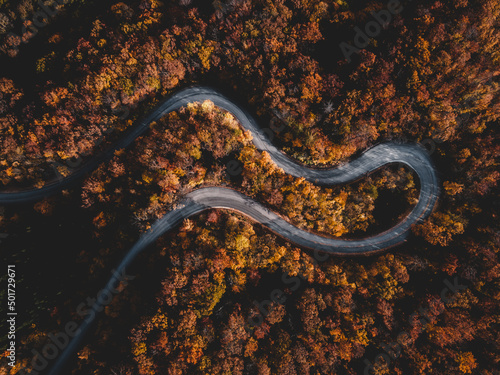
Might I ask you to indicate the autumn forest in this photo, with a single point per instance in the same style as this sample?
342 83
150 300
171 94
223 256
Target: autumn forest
77 76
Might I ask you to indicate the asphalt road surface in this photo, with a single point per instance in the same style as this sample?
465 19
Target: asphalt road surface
413 156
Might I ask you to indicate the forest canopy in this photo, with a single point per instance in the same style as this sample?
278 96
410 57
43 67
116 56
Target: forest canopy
81 81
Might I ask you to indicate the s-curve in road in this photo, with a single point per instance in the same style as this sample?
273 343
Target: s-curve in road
413 156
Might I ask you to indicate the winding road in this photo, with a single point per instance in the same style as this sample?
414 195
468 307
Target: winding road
413 156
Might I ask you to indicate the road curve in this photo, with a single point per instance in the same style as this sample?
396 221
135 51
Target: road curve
414 156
